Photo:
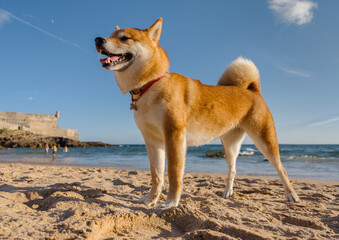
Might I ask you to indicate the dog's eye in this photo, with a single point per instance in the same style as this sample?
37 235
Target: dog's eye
124 38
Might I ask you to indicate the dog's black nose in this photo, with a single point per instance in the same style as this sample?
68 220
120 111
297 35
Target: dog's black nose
99 41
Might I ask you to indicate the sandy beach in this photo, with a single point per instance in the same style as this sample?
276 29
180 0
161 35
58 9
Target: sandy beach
70 202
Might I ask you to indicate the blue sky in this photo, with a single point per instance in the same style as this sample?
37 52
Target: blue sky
48 60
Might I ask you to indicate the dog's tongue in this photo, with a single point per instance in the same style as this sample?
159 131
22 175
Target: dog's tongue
112 59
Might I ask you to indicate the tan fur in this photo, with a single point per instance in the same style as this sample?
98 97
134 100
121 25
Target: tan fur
242 72
179 111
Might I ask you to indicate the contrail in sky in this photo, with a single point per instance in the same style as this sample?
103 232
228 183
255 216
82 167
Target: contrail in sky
324 122
295 72
8 15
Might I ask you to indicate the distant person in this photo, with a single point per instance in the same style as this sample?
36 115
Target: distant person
54 150
65 149
46 148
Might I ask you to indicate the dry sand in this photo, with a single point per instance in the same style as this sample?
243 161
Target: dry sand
66 202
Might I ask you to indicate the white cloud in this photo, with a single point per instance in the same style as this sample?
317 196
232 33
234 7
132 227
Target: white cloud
30 16
297 12
295 72
316 124
4 17
30 98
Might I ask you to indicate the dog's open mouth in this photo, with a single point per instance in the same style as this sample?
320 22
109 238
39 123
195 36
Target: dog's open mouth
114 59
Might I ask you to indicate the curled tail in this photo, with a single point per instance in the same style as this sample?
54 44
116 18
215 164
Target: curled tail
243 73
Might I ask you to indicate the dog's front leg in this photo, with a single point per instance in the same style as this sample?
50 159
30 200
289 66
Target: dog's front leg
176 154
156 155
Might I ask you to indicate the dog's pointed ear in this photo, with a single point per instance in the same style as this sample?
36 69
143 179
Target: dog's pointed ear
154 31
117 28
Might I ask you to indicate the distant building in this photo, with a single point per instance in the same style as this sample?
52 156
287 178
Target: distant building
44 124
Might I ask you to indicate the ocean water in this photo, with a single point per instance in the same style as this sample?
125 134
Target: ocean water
300 161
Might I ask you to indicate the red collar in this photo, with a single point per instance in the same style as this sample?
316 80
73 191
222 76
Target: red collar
136 94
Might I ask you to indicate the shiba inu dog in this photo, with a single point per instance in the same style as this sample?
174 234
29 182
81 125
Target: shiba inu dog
173 111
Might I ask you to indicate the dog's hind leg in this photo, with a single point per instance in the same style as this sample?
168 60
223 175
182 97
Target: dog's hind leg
231 143
156 154
264 136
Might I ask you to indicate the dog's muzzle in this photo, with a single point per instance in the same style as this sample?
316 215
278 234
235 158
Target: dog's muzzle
99 41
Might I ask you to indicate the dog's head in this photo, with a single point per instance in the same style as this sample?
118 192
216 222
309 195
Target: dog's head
128 47
134 55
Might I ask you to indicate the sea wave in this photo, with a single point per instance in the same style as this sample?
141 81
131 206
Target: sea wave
310 158
246 153
251 149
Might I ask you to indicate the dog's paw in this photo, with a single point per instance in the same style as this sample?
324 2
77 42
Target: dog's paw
292 197
167 205
227 193
148 201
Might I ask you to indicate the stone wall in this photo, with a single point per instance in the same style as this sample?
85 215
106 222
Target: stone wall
44 124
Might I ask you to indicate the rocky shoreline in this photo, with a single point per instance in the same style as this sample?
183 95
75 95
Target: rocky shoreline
220 154
19 138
